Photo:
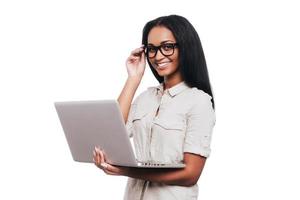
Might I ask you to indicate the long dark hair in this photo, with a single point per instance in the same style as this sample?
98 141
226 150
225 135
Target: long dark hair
192 64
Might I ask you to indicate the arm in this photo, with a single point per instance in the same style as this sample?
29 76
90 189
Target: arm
187 176
135 65
127 95
201 120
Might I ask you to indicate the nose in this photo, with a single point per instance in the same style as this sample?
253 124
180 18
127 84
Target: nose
159 55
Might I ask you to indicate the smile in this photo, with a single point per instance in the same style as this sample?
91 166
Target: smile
162 65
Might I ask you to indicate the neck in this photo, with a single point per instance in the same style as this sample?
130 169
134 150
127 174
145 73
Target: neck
171 81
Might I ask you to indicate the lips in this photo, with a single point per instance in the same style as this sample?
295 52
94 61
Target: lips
162 65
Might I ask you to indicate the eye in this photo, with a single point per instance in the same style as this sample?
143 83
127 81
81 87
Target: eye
167 47
151 49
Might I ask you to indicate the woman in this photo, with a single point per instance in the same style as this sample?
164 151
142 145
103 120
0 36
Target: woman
172 122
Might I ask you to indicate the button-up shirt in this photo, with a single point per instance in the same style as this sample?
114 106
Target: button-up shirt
164 124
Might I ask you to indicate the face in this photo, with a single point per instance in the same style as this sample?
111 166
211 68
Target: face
165 65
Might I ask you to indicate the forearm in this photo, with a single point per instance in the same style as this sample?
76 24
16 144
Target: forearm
187 176
127 94
181 177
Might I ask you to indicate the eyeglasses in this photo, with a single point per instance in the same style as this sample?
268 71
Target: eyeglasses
166 49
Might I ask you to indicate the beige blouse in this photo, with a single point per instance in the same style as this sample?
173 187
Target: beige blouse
164 125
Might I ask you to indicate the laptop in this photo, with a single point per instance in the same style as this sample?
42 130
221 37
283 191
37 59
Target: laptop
87 124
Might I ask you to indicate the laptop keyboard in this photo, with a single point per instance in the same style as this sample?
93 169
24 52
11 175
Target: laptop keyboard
152 164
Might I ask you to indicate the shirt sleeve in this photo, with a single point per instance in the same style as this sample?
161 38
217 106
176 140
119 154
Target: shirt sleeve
200 122
131 113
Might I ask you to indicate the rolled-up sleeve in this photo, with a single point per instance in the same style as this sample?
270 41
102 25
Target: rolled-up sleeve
200 122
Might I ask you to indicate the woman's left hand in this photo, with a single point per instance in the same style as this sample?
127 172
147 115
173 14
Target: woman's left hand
100 161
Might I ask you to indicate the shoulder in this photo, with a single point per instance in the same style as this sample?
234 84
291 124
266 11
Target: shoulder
146 95
197 95
201 102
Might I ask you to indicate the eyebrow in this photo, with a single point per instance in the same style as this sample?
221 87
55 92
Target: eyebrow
165 41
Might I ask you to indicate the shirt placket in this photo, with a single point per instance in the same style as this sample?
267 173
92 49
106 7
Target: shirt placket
161 102
151 142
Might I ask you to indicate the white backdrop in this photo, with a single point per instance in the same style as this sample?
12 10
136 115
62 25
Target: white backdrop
76 50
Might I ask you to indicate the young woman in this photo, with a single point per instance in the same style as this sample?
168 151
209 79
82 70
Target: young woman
169 123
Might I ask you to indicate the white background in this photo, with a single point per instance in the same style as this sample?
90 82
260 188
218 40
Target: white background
76 50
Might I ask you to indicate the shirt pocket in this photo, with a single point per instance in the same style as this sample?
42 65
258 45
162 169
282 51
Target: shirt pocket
139 114
171 123
167 139
139 120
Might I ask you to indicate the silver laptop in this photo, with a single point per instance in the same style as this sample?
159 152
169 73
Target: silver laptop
87 124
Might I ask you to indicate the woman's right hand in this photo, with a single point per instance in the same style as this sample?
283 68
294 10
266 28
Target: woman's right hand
136 63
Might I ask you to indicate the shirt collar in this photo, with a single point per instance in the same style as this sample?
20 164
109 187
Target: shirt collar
173 91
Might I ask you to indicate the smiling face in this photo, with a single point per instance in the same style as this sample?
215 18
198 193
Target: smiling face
166 66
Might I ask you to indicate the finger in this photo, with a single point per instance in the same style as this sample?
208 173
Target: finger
143 56
137 51
100 154
132 58
95 159
109 169
97 149
109 172
101 157
104 167
98 157
104 156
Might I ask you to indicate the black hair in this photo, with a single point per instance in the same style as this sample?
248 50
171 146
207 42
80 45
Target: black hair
192 64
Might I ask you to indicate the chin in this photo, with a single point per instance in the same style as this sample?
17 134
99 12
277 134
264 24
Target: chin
163 73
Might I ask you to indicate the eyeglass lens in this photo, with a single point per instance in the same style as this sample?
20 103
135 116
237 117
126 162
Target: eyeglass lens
166 49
